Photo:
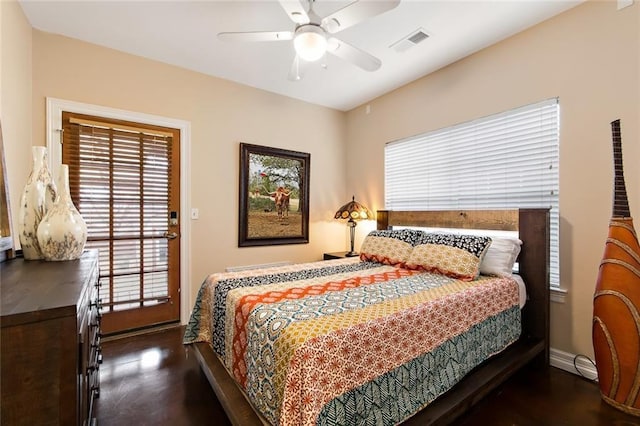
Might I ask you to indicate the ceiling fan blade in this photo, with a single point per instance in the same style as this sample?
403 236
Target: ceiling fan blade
356 12
256 36
354 55
295 11
298 69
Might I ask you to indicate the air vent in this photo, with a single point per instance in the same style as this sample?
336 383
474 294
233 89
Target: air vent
410 40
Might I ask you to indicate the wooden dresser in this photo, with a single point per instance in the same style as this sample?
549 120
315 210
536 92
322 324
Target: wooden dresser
50 342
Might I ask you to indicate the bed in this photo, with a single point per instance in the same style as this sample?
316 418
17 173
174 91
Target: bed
375 340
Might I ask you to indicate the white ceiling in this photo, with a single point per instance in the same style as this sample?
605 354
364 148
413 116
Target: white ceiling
183 33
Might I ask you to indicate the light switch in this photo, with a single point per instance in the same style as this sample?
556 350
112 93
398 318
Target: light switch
195 213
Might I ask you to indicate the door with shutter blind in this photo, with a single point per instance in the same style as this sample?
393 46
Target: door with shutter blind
124 180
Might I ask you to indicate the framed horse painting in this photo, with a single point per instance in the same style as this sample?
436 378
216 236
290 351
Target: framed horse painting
274 196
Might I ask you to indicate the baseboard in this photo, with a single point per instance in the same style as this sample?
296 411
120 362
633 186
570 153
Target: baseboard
565 361
139 331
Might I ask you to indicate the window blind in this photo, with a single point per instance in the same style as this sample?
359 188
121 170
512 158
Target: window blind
119 179
506 160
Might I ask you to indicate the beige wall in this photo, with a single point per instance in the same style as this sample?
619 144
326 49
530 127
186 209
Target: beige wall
589 58
221 114
15 98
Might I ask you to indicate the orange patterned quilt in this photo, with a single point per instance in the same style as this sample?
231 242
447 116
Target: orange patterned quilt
350 342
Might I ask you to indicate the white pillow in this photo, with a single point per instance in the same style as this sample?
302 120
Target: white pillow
500 257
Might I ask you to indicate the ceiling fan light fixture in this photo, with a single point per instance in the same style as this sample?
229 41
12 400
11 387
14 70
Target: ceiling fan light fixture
310 42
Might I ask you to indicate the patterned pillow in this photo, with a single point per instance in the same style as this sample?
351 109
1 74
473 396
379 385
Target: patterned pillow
457 256
391 247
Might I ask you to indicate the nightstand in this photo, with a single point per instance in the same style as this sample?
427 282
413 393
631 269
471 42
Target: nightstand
336 255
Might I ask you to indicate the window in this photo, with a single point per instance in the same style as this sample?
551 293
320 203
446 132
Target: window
123 178
54 109
506 160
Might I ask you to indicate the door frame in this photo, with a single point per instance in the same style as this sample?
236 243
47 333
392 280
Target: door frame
54 124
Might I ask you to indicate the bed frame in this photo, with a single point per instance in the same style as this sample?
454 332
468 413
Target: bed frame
533 345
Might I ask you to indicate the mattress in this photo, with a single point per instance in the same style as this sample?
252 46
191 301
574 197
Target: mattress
346 342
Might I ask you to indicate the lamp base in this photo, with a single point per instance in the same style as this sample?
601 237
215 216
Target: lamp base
352 254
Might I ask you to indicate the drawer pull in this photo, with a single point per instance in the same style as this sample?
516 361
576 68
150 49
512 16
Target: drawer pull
95 390
96 358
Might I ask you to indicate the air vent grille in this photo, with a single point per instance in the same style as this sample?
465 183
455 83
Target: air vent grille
410 40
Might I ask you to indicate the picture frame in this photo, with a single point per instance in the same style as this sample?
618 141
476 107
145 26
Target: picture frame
273 195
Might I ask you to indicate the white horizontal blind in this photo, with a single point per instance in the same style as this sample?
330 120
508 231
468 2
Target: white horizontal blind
507 160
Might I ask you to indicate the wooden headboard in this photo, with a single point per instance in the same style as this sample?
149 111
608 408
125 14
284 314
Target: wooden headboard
532 226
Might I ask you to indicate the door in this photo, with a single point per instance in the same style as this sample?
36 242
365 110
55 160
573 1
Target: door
124 178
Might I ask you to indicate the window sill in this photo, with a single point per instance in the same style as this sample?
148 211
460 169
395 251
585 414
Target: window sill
558 294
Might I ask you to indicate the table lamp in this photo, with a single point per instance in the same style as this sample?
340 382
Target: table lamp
353 211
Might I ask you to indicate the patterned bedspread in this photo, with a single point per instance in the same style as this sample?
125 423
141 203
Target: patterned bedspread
346 342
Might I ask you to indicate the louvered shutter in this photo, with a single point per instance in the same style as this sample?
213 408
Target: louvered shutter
119 180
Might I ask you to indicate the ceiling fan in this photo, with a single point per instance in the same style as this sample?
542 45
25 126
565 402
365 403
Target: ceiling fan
312 36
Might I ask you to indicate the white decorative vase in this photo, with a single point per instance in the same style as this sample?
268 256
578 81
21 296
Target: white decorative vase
62 233
37 198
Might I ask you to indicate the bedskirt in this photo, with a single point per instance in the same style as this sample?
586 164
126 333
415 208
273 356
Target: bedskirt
346 342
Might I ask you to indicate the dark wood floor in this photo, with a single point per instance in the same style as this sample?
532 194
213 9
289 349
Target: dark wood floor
153 380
